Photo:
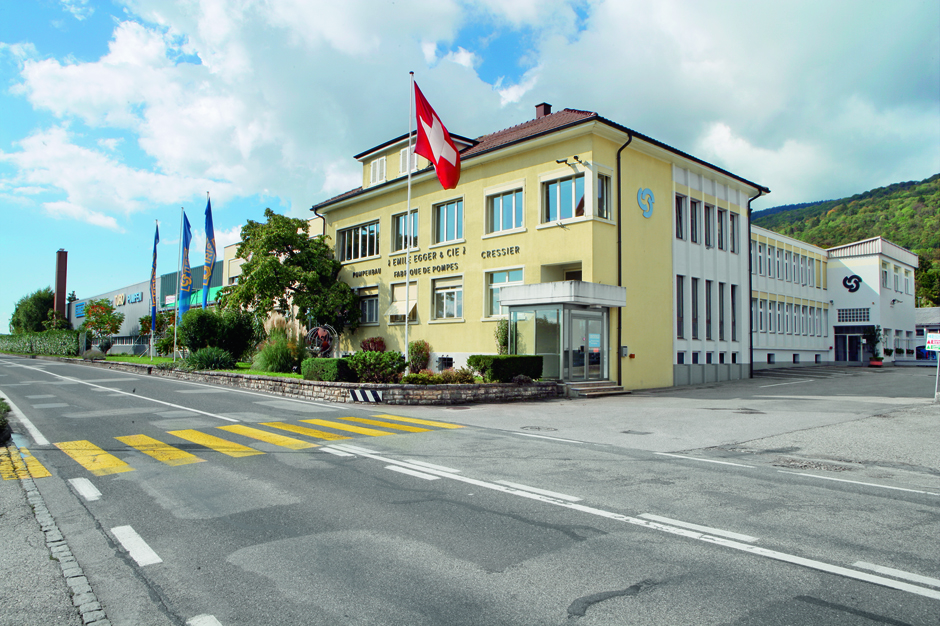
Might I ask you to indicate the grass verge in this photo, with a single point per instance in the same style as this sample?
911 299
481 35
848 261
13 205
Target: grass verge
240 368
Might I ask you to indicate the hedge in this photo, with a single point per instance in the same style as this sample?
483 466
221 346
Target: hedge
52 342
502 368
329 370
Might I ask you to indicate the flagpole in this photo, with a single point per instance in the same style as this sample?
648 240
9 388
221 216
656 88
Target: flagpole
179 270
408 222
153 300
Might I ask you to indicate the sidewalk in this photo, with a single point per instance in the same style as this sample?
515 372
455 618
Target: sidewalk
39 579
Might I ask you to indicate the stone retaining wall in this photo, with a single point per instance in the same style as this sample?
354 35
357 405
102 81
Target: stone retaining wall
339 392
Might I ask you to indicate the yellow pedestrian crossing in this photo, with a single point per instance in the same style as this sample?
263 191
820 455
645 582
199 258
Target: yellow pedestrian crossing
216 443
348 427
303 430
261 435
414 420
362 420
160 451
102 463
93 458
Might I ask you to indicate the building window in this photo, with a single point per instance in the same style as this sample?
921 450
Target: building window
693 220
709 357
680 358
734 233
709 226
695 308
708 309
448 221
563 199
761 318
695 358
847 316
786 318
770 261
358 242
680 307
779 256
786 265
721 312
803 319
604 207
884 274
734 312
721 357
734 357
680 233
812 321
504 211
907 282
448 298
760 259
404 302
369 305
721 228
771 358
400 238
779 317
403 160
377 171
496 281
770 316
897 278
826 323
811 270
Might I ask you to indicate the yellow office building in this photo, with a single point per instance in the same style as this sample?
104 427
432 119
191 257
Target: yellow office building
591 239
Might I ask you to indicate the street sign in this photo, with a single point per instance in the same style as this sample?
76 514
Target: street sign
933 342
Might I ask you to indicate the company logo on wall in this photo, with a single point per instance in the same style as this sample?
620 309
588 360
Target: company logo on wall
852 283
80 309
128 298
645 198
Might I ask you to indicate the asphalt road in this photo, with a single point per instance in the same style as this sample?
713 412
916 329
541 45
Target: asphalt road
522 514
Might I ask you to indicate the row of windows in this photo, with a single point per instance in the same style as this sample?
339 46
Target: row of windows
709 357
446 298
788 319
561 199
781 264
897 278
710 226
706 323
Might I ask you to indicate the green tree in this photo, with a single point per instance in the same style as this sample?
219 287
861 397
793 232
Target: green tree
31 311
101 319
285 267
56 321
165 321
71 297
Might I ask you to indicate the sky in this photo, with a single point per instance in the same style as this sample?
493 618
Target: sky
115 114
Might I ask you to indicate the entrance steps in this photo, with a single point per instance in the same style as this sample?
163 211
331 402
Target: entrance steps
593 389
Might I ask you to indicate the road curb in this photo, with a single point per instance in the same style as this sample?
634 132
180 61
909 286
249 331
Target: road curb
82 595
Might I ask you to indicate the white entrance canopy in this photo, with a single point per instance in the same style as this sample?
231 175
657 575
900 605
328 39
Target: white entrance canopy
564 292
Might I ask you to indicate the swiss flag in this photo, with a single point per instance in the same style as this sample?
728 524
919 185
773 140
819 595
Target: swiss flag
435 144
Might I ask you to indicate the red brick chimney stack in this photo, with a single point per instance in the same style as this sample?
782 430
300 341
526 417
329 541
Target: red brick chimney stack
61 271
541 110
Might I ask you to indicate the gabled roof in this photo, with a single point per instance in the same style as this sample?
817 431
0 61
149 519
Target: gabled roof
550 123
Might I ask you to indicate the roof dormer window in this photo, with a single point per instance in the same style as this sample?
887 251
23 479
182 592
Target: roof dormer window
378 171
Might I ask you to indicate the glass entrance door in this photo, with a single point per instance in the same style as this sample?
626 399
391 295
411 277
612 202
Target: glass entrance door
848 348
587 347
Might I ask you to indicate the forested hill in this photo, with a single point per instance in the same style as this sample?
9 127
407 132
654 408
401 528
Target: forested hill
907 214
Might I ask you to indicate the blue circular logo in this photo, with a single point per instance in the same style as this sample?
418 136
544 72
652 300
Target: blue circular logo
645 198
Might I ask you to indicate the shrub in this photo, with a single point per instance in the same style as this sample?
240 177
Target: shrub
521 379
198 329
502 368
373 344
93 355
211 358
282 351
461 376
105 344
236 332
330 370
419 355
164 345
378 367
422 378
501 334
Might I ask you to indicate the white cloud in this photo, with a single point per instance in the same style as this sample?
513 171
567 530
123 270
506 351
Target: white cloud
69 210
463 57
78 8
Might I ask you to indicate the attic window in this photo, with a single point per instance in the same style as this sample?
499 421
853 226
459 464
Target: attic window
377 171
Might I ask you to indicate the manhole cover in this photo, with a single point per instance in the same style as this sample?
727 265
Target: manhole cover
538 428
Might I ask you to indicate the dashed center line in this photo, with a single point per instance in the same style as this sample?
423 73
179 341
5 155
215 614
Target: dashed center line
136 547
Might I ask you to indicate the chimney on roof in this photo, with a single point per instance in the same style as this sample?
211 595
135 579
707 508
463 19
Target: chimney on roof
541 110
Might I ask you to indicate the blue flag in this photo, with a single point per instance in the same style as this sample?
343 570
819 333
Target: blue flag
186 276
153 284
210 254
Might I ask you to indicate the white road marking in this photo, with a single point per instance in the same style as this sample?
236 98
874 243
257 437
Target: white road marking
38 397
547 437
203 620
333 450
692 458
857 482
51 405
354 449
432 466
85 489
898 573
33 431
133 395
795 382
703 529
690 534
544 492
411 472
135 546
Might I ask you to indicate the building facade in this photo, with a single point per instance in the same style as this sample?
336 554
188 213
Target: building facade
577 231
